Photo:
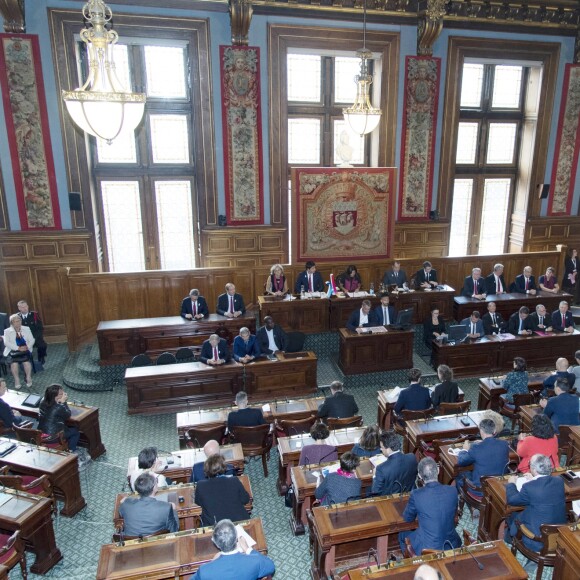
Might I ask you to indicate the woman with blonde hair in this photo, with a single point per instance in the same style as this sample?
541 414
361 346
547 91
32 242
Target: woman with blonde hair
276 282
18 342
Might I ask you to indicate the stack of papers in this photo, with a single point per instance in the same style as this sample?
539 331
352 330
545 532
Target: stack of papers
376 460
392 395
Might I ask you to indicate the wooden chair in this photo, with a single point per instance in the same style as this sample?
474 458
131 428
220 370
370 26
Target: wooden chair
120 537
199 436
467 495
433 448
28 483
513 412
37 437
400 420
12 552
454 408
334 423
468 539
296 426
141 360
255 441
547 554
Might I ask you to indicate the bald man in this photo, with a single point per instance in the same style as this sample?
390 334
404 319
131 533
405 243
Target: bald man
212 447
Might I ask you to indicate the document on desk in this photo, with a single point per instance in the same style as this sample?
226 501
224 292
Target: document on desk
243 534
5 497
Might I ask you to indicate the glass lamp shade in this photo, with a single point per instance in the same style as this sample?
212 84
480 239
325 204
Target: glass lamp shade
361 115
363 122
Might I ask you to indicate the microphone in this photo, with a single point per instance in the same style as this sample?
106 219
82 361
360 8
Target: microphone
372 553
353 497
397 482
452 548
327 455
479 564
121 537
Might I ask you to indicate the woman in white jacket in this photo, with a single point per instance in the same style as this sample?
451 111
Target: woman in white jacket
18 342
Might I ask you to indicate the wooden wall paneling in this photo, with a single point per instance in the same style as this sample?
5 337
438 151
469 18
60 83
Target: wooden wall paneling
107 299
85 311
17 282
49 302
155 293
132 294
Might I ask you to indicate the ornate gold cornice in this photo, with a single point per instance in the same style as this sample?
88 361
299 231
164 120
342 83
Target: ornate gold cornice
13 14
240 19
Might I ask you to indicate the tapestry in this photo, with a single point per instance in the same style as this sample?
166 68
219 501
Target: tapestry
567 145
418 143
343 213
242 134
28 133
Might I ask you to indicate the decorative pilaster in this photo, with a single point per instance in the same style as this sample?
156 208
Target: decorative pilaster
429 25
240 19
13 14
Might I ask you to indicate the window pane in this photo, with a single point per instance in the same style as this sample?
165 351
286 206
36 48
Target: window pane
494 216
471 85
345 69
121 58
467 142
122 213
175 224
304 141
304 72
501 142
165 70
121 150
169 138
460 216
350 140
507 87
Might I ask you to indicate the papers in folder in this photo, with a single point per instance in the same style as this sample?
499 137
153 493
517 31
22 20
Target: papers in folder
372 330
392 395
243 534
376 460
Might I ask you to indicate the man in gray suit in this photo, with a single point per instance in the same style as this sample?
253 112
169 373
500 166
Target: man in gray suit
145 515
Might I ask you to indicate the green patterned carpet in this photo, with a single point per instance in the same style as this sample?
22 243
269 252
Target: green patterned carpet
80 538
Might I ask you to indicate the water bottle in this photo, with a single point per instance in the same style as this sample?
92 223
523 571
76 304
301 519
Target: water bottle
372 289
302 291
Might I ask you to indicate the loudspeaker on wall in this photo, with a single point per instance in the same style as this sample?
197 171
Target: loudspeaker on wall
74 201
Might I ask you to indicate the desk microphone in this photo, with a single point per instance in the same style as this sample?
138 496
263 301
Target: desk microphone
479 564
327 455
372 553
452 549
354 498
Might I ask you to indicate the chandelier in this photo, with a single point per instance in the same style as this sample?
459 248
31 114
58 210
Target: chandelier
102 107
361 115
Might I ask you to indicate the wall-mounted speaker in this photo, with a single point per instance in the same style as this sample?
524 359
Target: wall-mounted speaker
74 201
222 221
543 190
434 215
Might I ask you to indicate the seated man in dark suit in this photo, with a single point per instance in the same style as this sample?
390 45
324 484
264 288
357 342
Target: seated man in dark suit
396 276
488 457
543 497
245 416
235 559
520 322
525 283
339 405
541 320
7 415
398 473
384 314
563 408
560 373
145 515
415 397
212 447
427 277
360 317
310 280
194 306
474 285
246 347
495 282
493 322
473 325
434 505
271 337
230 304
562 318
214 351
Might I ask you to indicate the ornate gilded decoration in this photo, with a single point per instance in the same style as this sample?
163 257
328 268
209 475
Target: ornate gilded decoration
240 19
13 14
429 25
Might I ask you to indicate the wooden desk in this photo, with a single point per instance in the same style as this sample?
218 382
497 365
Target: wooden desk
567 566
180 470
275 411
497 509
167 557
374 353
183 496
346 532
575 442
83 417
60 467
491 354
309 315
32 515
385 408
443 427
304 484
176 387
496 557
342 308
490 390
527 413
507 304
121 340
422 302
289 449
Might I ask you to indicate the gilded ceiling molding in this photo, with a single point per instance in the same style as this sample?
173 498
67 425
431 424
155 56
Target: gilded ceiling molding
240 19
13 14
429 25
